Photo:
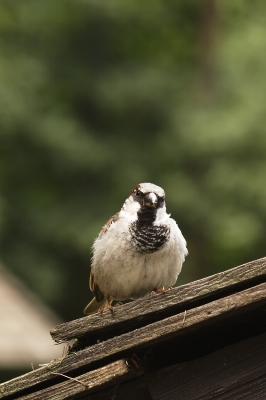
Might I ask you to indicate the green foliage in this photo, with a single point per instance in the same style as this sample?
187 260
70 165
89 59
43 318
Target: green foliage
98 96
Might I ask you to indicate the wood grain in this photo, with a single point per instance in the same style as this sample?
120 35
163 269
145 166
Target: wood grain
101 378
150 309
141 338
235 372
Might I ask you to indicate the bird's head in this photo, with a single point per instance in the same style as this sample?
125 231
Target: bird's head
146 203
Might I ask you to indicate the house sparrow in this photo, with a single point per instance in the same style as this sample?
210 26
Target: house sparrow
139 250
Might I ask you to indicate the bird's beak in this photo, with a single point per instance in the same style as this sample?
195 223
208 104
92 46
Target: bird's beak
150 200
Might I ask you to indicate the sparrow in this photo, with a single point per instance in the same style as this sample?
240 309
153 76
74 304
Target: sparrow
139 250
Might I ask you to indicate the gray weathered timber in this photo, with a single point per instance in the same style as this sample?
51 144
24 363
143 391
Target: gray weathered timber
101 378
150 309
141 338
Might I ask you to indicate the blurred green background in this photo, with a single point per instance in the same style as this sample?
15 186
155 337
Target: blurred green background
97 96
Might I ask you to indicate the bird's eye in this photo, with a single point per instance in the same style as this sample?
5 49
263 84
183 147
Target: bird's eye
137 192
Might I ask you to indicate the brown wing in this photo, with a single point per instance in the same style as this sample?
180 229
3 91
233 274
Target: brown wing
93 285
113 219
95 289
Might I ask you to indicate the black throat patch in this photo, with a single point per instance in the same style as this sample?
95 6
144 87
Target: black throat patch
146 237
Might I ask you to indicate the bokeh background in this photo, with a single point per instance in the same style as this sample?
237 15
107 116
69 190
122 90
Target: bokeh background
97 96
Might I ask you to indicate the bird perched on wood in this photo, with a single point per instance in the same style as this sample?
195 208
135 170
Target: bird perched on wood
139 250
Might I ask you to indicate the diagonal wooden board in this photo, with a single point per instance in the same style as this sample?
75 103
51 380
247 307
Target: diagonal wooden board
150 309
139 338
101 378
232 369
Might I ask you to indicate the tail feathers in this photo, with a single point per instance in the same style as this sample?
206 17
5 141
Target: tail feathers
95 305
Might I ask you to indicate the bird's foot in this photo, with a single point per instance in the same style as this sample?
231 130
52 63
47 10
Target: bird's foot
107 307
119 303
162 290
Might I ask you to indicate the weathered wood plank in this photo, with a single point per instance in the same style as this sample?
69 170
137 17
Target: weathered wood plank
150 309
141 338
101 378
235 372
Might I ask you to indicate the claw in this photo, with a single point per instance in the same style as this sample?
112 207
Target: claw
119 303
162 290
106 307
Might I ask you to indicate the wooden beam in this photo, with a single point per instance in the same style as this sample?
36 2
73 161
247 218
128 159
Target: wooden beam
234 372
99 379
141 338
153 308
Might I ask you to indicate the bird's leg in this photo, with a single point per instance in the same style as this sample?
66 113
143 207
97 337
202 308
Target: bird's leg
107 305
162 290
